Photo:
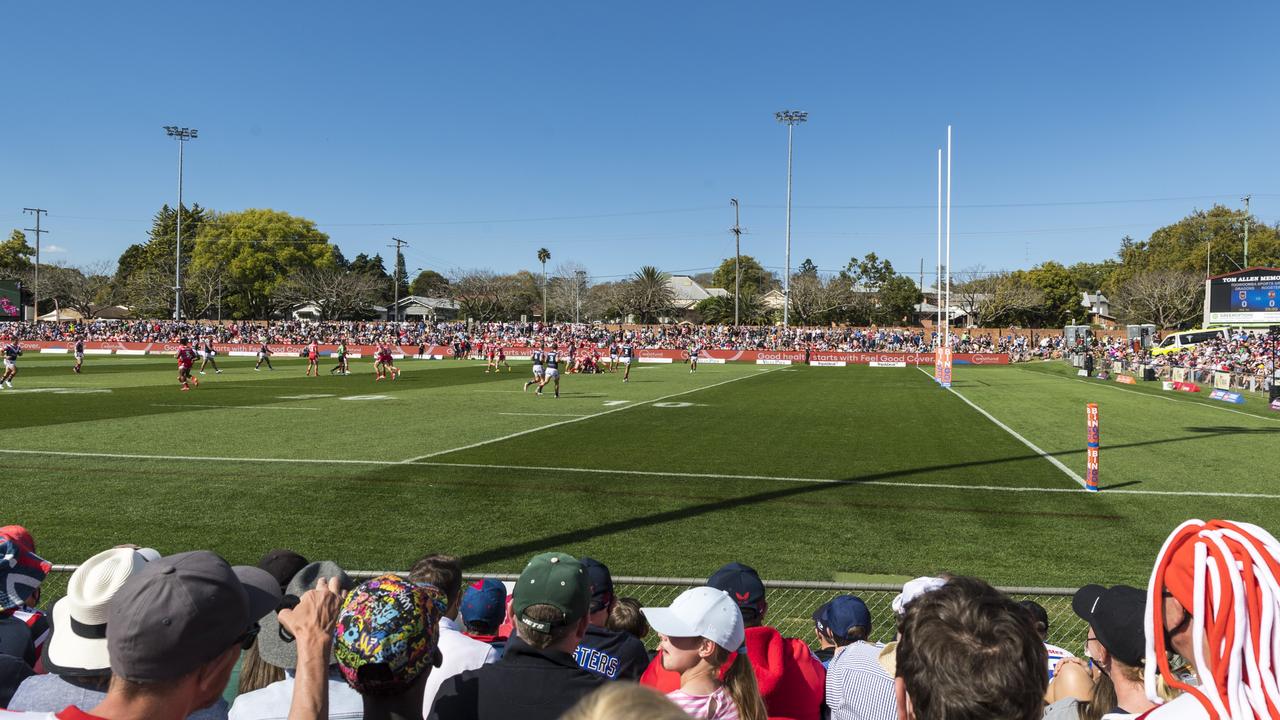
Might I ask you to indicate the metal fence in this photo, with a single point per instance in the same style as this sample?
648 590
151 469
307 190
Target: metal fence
791 602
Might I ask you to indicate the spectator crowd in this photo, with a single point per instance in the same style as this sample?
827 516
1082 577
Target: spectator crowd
140 635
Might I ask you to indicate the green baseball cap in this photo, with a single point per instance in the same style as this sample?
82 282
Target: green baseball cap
554 579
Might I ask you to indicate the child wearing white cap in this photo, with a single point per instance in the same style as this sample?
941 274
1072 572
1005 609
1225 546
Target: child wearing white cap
701 633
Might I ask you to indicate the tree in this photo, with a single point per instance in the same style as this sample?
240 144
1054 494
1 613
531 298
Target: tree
897 301
430 283
808 268
1061 300
718 309
482 294
374 267
815 302
990 299
1215 235
543 256
567 289
754 277
15 255
85 290
649 296
337 293
254 251
402 275
1164 298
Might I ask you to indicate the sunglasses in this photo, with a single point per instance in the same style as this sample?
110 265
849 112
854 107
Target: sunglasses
246 640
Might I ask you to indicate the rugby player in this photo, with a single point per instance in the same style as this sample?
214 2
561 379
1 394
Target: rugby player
313 358
264 356
538 372
694 350
502 359
186 358
11 353
383 363
79 355
491 361
341 367
628 357
206 356
551 370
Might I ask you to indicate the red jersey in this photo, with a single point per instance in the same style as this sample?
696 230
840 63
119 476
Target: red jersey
186 356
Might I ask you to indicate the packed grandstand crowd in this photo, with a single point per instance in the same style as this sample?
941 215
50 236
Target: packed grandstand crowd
139 635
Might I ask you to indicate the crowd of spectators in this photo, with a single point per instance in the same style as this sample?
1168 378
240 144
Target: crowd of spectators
140 635
1246 358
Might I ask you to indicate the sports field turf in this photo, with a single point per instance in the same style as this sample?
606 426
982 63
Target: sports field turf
805 473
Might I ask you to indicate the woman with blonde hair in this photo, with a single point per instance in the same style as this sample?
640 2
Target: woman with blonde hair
625 701
701 634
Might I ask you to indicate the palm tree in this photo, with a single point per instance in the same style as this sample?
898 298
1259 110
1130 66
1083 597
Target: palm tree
652 294
543 256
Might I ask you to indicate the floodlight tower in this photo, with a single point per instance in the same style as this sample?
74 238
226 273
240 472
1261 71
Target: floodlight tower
183 135
791 118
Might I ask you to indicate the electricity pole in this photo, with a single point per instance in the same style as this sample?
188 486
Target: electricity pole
581 277
737 259
395 276
35 294
1247 198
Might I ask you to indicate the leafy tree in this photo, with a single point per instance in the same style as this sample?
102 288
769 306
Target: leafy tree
15 255
897 301
650 296
1061 300
808 268
1215 235
718 309
430 283
402 275
254 251
543 256
754 277
1093 277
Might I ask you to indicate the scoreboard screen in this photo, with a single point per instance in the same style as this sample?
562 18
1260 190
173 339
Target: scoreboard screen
1249 297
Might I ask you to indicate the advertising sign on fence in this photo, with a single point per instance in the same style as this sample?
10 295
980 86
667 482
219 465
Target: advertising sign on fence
1275 404
1225 396
1126 380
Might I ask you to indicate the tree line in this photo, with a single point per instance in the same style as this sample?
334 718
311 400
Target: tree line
256 263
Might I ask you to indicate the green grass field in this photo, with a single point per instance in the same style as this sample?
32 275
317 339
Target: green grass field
805 473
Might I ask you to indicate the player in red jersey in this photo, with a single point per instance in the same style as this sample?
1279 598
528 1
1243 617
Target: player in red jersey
491 360
383 363
313 358
186 358
502 359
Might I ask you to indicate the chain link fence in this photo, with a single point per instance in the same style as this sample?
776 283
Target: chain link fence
791 603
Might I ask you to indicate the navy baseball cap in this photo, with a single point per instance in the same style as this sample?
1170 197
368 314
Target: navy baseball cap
484 604
601 583
743 584
840 614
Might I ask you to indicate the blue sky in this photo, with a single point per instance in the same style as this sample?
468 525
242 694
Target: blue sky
614 134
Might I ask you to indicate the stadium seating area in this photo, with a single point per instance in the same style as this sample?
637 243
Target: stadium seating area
141 635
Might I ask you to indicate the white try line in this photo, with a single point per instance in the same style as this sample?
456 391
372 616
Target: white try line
640 473
1056 462
543 414
602 413
231 407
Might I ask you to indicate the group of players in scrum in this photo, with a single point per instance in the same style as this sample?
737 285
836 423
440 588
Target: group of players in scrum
546 361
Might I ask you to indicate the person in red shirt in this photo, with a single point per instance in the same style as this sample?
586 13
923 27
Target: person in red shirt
313 358
791 678
186 358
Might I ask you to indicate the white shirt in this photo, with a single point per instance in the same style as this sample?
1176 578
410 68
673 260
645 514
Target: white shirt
458 654
272 702
1183 707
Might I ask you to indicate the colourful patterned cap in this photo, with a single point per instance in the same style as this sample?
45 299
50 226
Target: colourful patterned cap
387 634
21 573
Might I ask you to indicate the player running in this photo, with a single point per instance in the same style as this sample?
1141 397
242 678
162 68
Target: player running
186 358
79 355
206 356
341 367
502 359
538 371
313 358
11 353
383 363
491 360
628 357
551 370
694 351
264 356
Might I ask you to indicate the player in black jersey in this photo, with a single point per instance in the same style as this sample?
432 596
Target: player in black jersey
264 356
206 356
537 370
79 355
11 353
551 370
628 357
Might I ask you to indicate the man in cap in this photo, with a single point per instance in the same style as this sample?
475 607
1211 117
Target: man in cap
790 677
857 687
483 608
1116 644
458 652
278 648
611 655
537 678
23 629
1041 618
175 630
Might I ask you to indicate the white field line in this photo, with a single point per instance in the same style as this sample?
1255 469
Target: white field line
642 473
232 407
1056 462
544 414
1189 401
602 413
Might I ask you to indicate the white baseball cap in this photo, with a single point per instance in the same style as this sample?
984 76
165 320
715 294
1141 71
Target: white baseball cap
914 589
701 612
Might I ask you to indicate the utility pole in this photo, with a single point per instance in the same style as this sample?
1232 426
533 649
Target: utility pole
35 294
1247 198
581 277
737 259
395 276
183 135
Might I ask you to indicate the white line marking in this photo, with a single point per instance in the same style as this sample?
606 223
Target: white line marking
231 407
544 414
602 413
641 473
1188 401
1056 462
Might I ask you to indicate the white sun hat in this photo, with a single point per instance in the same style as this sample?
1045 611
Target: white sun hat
79 642
701 612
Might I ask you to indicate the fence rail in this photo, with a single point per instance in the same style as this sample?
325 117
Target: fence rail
791 602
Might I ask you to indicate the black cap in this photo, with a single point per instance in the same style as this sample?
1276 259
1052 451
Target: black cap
601 583
283 565
743 584
1116 616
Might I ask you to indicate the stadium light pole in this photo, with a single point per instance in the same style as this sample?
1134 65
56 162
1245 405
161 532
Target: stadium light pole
183 135
737 259
791 118
937 278
948 265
